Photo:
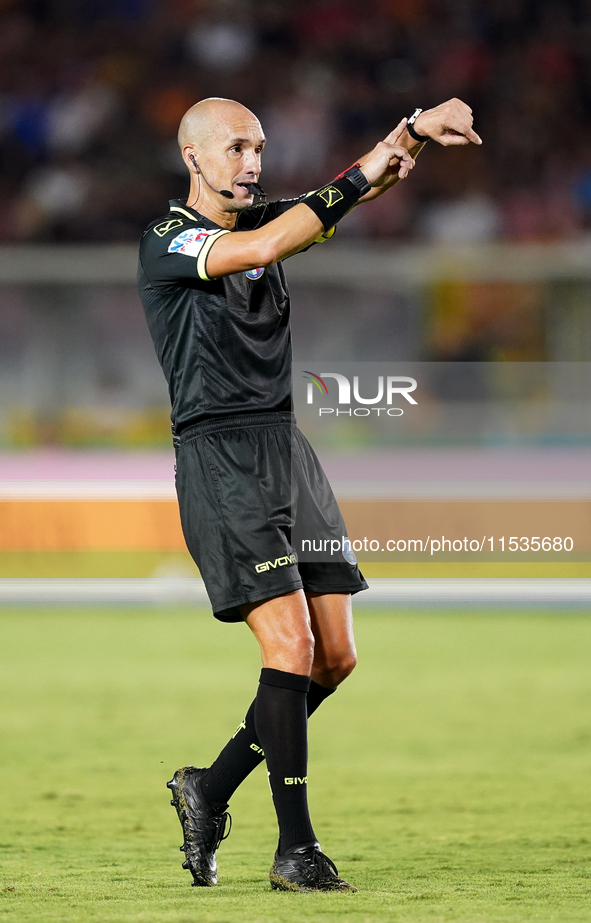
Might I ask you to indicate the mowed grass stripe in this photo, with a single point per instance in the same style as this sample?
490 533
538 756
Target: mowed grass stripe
449 777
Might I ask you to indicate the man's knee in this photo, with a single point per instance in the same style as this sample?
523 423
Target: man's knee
281 625
330 671
293 653
298 652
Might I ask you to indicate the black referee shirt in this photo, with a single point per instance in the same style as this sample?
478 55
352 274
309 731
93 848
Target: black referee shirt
224 344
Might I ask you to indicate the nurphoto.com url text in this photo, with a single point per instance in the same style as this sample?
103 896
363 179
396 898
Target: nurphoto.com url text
442 544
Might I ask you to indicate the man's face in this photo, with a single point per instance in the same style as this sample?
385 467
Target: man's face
231 156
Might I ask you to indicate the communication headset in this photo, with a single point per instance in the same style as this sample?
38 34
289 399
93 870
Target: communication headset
253 188
224 192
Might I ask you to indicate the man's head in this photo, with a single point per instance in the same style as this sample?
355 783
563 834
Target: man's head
221 142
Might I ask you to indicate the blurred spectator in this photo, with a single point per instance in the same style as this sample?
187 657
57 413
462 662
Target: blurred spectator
474 217
91 95
298 130
51 195
223 39
76 115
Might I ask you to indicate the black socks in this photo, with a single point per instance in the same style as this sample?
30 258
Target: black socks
239 757
245 751
316 696
281 722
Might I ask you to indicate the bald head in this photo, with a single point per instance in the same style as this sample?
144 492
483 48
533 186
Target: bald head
212 119
221 143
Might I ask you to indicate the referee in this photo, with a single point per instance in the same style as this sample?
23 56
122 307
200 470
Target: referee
216 301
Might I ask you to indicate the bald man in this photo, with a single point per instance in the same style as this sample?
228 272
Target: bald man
217 305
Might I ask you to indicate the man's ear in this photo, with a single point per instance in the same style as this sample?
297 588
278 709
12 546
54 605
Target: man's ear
191 158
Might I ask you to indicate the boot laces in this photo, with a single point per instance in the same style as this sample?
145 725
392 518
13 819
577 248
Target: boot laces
321 864
221 833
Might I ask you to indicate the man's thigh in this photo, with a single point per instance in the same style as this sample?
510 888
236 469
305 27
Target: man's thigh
281 626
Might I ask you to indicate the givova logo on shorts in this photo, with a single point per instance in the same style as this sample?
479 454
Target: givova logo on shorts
278 562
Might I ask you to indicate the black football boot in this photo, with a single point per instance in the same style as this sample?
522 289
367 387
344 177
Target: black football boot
203 825
306 868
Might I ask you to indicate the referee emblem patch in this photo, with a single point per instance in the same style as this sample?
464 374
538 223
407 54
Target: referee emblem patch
349 554
254 273
190 241
331 195
166 226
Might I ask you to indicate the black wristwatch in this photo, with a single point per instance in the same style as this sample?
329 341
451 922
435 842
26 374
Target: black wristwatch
355 176
410 127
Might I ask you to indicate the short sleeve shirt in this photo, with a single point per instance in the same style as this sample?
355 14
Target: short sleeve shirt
224 344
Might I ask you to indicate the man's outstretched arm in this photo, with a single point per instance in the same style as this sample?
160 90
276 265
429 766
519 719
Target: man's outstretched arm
301 225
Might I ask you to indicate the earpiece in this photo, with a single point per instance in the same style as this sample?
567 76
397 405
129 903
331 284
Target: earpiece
227 193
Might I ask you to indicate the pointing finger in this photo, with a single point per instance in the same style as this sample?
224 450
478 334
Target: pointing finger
395 134
472 136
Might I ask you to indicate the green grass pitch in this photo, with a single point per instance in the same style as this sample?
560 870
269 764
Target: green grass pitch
450 777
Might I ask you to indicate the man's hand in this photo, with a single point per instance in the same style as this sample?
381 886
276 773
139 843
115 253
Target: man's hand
388 159
449 124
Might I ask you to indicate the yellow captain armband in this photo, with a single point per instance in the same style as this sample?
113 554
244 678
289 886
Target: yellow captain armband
326 236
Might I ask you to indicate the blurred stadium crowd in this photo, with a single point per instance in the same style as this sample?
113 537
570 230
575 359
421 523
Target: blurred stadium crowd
91 94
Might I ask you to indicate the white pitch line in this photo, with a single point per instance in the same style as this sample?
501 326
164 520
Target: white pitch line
88 490
395 591
463 490
448 591
115 590
344 490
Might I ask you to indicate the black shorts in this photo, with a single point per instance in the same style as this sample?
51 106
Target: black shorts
251 494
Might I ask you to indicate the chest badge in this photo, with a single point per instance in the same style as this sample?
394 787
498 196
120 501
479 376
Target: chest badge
254 273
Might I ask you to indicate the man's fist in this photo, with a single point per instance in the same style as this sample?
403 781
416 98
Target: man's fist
449 123
388 159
